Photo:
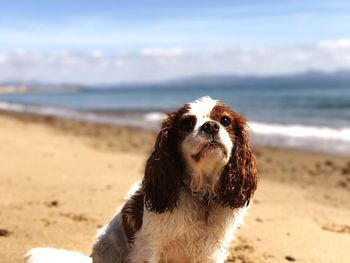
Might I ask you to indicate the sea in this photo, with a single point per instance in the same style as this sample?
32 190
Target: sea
299 114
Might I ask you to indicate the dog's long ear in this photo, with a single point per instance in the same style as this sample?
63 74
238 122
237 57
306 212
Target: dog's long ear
163 175
239 179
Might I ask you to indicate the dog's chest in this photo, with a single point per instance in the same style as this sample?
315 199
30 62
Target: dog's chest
192 240
184 234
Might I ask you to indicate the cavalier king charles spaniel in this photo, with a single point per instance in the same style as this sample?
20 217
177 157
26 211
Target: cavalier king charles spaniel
195 192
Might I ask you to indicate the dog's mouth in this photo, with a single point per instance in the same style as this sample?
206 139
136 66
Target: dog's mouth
207 148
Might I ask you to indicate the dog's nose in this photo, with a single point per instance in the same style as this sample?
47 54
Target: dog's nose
210 127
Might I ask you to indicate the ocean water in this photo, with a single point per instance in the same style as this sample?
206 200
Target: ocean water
315 117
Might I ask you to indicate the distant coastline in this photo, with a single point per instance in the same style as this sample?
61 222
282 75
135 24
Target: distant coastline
7 89
312 77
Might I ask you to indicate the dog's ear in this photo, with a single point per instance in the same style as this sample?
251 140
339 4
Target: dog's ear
239 178
163 175
132 215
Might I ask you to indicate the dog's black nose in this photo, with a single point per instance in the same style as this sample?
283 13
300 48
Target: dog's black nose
210 127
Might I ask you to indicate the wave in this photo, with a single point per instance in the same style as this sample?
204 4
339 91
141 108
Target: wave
157 117
300 131
78 115
334 140
317 138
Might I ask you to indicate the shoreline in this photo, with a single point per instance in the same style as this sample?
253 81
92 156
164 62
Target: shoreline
322 140
130 118
61 180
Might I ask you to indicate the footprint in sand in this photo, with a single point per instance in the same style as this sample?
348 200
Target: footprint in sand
241 252
332 227
343 229
4 232
76 217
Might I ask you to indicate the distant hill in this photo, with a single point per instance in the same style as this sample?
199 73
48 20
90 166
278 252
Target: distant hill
312 77
309 78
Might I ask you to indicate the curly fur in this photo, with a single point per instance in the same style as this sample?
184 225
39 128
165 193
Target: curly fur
239 179
161 194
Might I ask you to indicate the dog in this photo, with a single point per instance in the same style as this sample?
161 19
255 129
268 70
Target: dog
195 192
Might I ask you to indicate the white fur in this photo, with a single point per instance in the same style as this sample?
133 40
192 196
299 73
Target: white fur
183 236
108 227
205 173
52 255
202 107
133 189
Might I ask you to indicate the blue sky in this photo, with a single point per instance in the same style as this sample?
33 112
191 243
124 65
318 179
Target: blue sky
131 25
123 33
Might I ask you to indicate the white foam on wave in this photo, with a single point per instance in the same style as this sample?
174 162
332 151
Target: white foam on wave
78 115
154 116
300 131
14 107
317 138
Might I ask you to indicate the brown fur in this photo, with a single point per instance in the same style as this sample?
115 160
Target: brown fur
164 173
239 178
132 214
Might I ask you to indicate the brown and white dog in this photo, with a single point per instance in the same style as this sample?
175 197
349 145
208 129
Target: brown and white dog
196 190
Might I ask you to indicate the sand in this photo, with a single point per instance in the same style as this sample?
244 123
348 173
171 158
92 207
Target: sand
61 180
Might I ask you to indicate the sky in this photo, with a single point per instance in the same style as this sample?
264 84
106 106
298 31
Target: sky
106 42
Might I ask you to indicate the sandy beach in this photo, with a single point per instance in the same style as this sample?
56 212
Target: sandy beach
61 180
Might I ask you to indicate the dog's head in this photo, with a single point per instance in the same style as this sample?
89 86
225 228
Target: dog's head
202 146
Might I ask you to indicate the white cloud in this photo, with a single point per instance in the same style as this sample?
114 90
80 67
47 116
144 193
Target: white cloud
97 54
343 43
3 59
158 64
162 52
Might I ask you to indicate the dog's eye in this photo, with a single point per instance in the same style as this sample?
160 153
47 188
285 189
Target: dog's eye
188 123
225 121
